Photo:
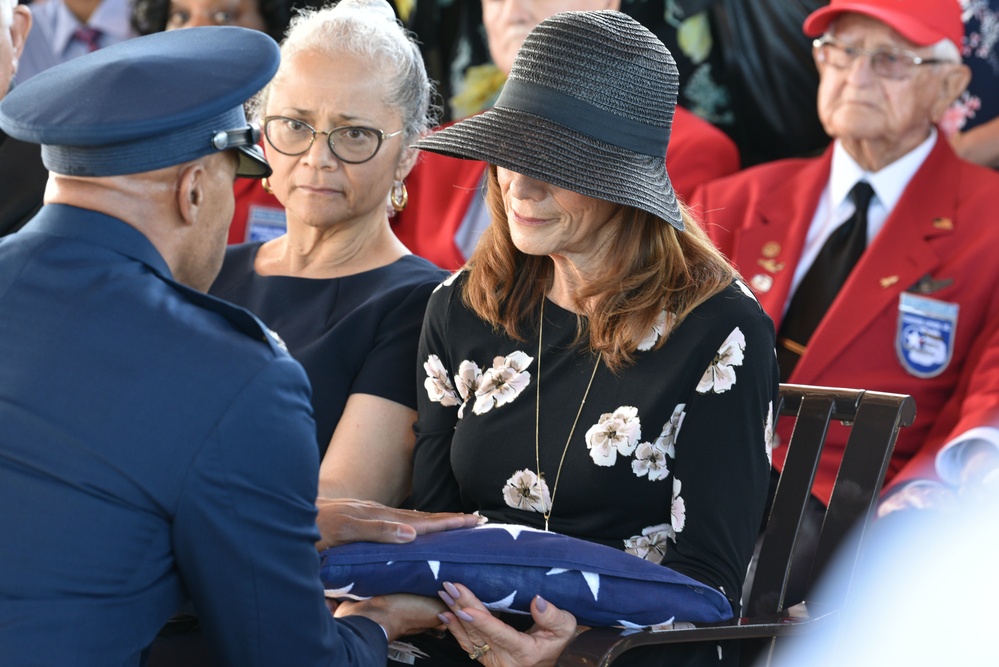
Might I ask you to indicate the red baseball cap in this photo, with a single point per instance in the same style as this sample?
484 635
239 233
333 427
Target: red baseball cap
922 22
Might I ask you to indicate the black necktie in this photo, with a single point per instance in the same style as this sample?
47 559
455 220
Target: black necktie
823 281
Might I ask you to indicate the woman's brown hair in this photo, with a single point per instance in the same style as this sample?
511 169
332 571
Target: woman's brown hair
651 267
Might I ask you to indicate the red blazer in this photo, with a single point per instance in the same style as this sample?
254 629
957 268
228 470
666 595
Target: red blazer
943 236
441 188
251 200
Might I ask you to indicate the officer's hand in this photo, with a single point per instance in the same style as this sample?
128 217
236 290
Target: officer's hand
400 615
342 521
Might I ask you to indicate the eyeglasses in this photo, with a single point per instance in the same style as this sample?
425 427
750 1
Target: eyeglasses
351 144
886 62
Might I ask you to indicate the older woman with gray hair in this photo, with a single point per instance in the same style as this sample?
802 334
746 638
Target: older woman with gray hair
346 296
598 369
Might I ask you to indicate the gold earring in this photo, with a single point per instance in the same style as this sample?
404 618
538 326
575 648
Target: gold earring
266 186
399 196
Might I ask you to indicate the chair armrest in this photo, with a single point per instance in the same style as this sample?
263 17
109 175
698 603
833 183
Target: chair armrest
599 647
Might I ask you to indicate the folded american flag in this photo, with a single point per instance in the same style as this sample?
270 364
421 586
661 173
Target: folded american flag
507 565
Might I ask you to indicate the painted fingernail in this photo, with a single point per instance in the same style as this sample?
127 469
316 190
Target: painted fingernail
465 616
542 604
444 619
447 598
450 588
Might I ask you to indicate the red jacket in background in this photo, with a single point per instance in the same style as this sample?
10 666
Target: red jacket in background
939 243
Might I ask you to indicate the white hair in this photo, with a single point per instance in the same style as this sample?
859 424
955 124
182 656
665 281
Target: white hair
369 31
947 50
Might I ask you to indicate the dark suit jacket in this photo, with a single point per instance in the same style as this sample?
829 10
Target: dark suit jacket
156 444
939 242
22 182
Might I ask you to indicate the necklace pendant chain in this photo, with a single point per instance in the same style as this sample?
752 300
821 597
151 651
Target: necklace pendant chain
537 419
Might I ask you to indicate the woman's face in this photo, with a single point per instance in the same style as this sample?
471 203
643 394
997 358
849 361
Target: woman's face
316 187
548 220
194 13
507 22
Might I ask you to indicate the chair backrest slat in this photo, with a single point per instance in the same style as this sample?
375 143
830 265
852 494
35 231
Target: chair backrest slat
812 414
876 419
863 468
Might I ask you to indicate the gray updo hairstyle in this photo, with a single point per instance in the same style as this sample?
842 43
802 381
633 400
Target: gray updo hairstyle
369 31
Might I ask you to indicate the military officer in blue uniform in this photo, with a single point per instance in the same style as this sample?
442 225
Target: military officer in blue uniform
156 444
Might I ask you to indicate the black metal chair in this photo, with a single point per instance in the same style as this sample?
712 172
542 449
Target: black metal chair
874 419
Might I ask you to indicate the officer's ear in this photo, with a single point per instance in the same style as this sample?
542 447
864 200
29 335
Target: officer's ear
20 26
191 191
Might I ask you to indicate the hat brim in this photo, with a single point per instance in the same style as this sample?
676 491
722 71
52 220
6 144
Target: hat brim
904 24
547 151
252 163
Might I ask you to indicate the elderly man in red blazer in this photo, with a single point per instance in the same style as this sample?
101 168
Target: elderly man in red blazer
918 313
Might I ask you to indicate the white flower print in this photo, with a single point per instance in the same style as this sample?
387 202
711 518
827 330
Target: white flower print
617 431
450 279
503 382
438 384
768 433
671 431
525 491
720 375
468 378
678 511
744 288
650 459
655 332
651 544
467 382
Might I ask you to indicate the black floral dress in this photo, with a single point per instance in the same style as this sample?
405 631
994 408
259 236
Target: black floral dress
669 458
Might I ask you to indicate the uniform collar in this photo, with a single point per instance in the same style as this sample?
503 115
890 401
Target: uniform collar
101 230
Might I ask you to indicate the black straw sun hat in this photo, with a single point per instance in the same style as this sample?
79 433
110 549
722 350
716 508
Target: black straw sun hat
588 107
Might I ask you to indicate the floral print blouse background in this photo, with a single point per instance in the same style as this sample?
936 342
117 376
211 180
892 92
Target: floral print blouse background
980 102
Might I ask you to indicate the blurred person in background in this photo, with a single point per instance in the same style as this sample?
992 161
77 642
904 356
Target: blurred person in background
21 170
66 29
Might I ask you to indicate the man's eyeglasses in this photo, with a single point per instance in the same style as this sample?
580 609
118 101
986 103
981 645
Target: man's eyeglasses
886 62
351 144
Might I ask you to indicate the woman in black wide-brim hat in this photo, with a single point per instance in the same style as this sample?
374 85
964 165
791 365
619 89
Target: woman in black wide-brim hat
597 369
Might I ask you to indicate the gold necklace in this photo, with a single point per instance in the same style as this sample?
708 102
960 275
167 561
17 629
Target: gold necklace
537 418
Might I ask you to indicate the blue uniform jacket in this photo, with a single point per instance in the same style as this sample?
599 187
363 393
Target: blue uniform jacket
156 445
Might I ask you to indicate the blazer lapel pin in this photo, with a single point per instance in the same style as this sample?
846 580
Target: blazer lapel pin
928 285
